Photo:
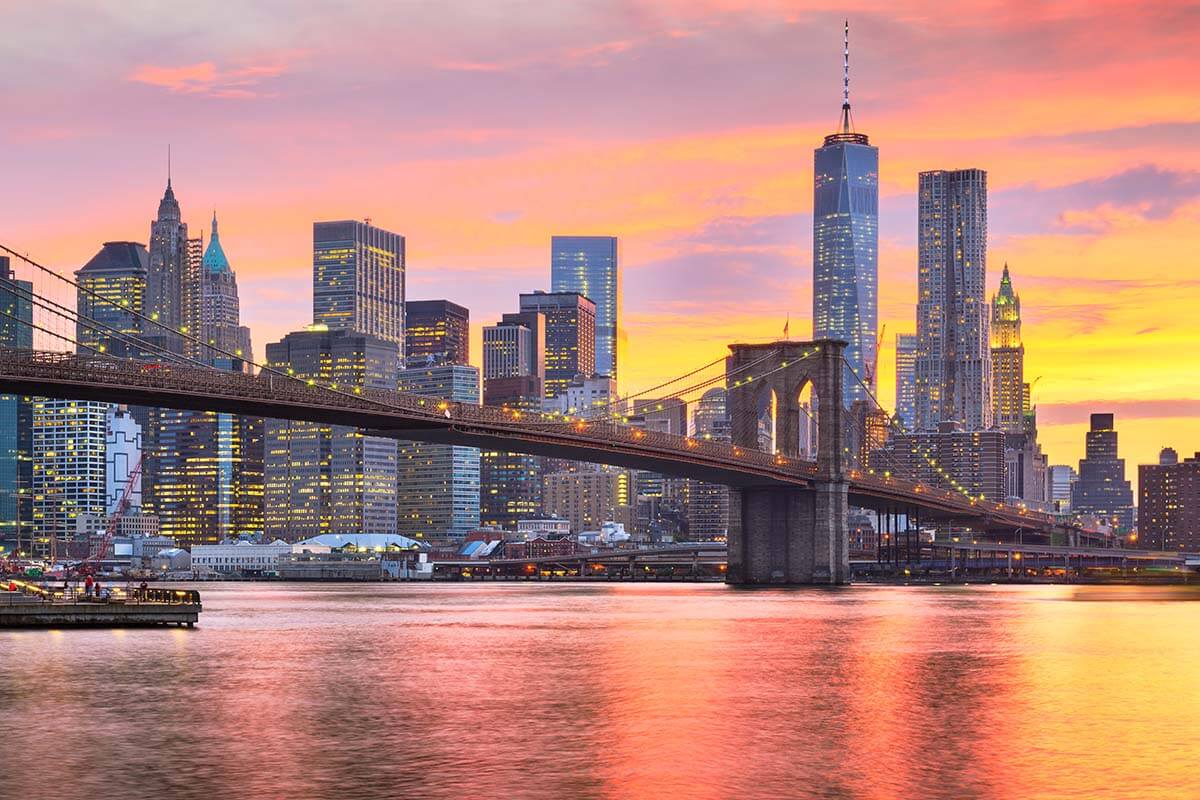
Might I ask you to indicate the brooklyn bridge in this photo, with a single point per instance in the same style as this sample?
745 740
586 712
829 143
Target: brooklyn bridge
788 513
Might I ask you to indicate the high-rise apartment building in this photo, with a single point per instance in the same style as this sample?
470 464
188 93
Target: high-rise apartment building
846 244
515 346
954 363
69 469
437 491
436 332
330 478
590 266
1101 490
1169 503
906 380
570 336
358 279
1010 393
16 417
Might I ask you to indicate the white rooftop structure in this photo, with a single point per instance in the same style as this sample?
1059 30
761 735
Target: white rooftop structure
361 541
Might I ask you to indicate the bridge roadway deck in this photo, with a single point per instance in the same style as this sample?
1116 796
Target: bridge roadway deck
401 415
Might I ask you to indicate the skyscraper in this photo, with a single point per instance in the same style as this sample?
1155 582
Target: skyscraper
954 363
219 307
590 265
438 484
113 292
570 336
436 332
846 243
169 293
330 478
208 476
1101 490
515 346
16 417
1009 391
358 279
906 380
510 484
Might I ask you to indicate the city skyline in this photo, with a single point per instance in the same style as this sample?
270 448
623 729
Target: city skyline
1076 198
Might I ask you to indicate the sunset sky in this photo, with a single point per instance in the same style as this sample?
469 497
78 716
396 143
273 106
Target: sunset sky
478 128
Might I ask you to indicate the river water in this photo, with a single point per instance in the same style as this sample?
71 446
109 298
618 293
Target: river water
614 690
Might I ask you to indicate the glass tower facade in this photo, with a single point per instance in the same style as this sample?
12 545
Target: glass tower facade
906 380
16 418
590 265
358 279
845 251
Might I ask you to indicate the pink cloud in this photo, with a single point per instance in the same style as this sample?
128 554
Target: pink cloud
205 78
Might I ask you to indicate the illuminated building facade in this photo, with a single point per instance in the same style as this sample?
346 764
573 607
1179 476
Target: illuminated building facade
590 266
436 332
509 349
588 499
113 287
358 279
954 362
330 478
846 244
209 468
970 462
570 337
906 380
69 469
1010 394
437 491
1169 503
708 503
510 484
16 418
1101 489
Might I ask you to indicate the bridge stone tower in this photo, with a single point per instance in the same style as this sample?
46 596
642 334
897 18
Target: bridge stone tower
789 534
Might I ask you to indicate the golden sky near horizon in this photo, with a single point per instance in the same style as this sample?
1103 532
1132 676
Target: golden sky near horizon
479 129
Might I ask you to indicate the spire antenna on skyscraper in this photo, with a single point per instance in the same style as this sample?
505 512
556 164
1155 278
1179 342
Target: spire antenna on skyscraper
847 125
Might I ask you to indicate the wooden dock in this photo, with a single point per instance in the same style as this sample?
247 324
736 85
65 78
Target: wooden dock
31 607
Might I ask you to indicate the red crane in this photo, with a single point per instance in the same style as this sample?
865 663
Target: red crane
100 551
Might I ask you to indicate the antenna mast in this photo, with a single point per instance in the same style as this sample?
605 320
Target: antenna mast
846 125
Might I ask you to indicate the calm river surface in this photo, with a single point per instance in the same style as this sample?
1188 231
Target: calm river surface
619 690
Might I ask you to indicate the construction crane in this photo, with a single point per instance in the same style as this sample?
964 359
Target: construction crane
870 370
100 550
